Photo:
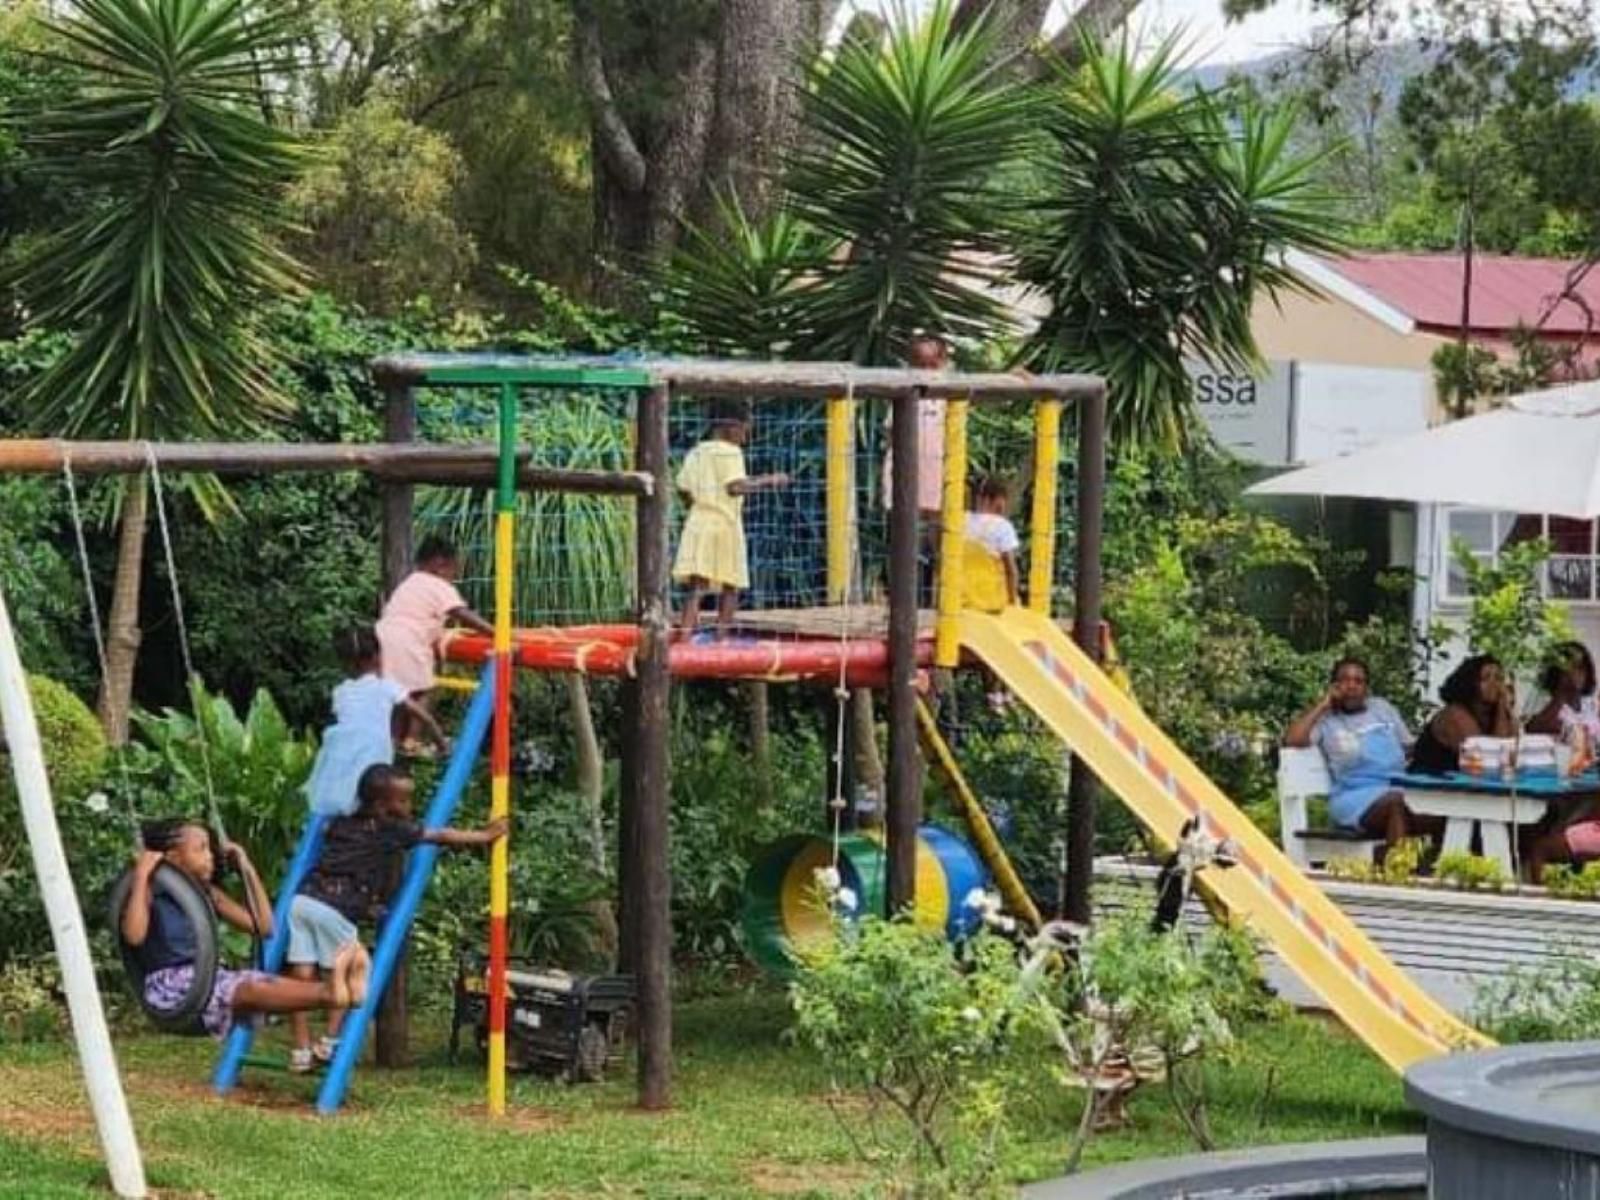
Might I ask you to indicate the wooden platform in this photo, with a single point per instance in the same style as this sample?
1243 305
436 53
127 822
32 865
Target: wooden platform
851 622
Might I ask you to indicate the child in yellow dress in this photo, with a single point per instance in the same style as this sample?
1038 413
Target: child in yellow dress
711 550
989 564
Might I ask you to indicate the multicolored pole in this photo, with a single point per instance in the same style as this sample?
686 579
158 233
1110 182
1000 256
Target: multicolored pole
505 520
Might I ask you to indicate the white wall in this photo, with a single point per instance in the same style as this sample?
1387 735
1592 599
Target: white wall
1340 409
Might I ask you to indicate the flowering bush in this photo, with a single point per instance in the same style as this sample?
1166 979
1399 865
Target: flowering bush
935 1040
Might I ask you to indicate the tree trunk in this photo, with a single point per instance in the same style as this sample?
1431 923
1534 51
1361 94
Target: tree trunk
1022 24
590 769
682 104
123 634
756 700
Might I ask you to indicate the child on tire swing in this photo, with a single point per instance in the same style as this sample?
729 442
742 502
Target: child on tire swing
350 884
166 939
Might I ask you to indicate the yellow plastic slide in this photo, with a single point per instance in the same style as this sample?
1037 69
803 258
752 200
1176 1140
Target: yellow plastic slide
1107 729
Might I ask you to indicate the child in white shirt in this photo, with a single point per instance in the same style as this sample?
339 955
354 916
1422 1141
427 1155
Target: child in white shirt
362 734
989 562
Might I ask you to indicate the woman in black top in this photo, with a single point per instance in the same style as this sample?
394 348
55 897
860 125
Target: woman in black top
1477 703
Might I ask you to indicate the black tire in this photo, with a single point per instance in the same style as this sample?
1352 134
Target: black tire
196 907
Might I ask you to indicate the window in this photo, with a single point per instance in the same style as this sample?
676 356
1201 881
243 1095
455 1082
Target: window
1571 574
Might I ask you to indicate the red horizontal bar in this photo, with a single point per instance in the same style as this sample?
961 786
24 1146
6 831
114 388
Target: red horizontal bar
865 663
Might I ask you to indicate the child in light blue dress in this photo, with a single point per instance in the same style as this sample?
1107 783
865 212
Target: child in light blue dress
362 733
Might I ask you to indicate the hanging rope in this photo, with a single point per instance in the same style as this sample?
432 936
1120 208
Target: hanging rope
191 680
213 809
95 625
841 693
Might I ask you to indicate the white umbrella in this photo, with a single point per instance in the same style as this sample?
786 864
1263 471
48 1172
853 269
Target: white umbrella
1540 453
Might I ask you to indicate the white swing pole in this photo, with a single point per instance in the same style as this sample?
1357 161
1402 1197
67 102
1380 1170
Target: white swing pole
89 1029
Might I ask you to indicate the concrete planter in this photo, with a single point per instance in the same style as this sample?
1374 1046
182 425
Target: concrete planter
1451 941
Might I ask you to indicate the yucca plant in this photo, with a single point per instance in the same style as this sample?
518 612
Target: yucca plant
902 163
1162 219
164 272
735 284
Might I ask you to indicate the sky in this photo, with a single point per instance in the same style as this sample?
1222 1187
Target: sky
1213 40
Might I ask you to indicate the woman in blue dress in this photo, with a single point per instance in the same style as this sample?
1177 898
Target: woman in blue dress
1364 741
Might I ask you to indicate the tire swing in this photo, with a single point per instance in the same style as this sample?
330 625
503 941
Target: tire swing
186 1018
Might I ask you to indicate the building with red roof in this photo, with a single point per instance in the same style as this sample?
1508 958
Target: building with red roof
1396 310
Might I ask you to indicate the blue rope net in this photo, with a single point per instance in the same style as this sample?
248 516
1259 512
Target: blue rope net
575 553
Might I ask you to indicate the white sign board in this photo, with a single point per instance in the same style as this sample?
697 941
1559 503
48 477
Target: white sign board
1340 409
1248 415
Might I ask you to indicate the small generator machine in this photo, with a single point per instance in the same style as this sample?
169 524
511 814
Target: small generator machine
569 1026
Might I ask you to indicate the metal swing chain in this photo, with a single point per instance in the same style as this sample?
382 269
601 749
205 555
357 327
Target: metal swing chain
76 512
213 810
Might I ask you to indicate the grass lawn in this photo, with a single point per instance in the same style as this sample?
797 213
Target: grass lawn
751 1120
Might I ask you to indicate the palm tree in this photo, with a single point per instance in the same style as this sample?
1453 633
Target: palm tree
162 275
902 163
894 205
1162 219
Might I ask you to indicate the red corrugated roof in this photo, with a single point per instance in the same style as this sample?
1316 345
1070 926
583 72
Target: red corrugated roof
1506 291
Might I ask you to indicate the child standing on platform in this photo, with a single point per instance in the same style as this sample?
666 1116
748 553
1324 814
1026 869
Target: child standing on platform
711 549
362 734
989 563
413 622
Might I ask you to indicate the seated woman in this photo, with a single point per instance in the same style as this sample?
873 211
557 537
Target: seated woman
1569 680
1364 741
1477 703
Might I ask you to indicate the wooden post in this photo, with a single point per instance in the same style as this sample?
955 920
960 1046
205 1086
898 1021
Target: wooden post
648 868
392 1041
905 774
399 425
1086 631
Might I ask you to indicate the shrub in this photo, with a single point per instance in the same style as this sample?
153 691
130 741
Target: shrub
31 1007
1558 1001
75 756
935 1044
1155 1003
1570 883
1470 871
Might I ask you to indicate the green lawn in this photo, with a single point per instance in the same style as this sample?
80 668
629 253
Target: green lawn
751 1120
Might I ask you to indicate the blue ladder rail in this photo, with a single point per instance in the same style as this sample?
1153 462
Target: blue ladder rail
394 929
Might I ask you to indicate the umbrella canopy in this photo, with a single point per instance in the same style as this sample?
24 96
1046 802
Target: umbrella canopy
1540 453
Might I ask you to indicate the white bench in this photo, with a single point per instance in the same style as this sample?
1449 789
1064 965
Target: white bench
1303 774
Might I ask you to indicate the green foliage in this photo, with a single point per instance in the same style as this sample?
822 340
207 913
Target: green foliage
1557 1001
575 551
30 1004
1161 220
74 746
737 284
255 765
1161 1004
1509 617
899 159
43 594
380 204
717 828
75 757
1470 872
936 1043
162 271
1207 670
1571 883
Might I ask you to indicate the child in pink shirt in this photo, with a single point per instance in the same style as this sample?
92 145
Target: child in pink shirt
412 623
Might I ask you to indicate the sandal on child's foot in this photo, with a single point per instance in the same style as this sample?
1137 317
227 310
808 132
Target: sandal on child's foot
300 1062
324 1050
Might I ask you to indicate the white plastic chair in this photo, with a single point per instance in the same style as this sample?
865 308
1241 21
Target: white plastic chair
1302 774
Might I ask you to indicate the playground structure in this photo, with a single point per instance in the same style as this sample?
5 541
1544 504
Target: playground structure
847 643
